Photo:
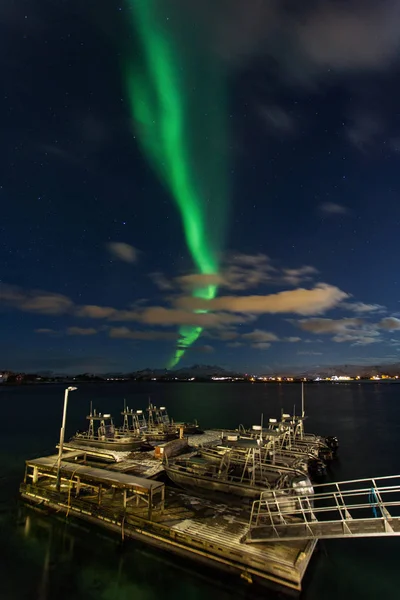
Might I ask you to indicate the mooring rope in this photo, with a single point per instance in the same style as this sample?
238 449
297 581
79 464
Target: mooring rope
69 492
373 500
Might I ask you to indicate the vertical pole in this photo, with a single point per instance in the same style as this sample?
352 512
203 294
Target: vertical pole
35 475
61 444
302 399
100 491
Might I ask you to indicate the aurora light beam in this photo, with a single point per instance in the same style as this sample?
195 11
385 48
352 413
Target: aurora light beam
176 98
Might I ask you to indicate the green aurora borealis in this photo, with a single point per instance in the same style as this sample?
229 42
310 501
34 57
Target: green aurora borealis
176 97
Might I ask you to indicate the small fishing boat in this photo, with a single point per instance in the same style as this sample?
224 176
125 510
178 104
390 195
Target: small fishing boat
245 478
103 434
190 428
134 422
288 435
160 428
277 448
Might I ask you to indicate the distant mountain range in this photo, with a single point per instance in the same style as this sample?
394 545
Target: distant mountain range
352 370
197 371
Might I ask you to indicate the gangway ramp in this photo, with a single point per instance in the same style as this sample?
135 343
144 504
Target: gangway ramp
346 509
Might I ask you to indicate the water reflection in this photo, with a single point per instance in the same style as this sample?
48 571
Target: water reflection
81 562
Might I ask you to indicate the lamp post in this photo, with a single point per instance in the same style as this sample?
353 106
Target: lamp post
62 433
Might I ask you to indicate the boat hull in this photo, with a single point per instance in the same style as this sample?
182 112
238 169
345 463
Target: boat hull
160 437
201 484
117 446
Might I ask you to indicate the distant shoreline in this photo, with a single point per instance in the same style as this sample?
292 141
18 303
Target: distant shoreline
186 381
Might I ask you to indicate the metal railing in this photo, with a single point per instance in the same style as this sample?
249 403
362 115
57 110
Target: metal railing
114 515
355 508
110 514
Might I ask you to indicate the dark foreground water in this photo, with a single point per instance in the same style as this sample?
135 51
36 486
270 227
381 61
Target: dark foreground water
44 558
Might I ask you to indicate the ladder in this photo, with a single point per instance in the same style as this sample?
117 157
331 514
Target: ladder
346 509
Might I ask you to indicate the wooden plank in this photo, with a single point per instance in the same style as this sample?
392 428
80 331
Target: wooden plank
230 536
100 475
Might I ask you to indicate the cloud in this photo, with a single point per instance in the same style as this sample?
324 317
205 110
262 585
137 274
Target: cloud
239 272
296 276
226 335
301 40
36 301
354 330
361 307
331 208
57 304
299 301
258 336
204 349
196 281
246 271
59 152
123 251
292 340
11 294
92 311
364 129
47 304
129 334
250 260
357 338
357 36
235 344
276 119
329 325
261 346
161 281
310 353
84 331
390 323
159 315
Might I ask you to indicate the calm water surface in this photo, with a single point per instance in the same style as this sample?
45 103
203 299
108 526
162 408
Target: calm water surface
46 559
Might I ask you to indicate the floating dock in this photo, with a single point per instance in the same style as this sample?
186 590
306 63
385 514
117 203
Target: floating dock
147 510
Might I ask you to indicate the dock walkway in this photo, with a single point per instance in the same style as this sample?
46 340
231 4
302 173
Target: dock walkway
184 524
345 509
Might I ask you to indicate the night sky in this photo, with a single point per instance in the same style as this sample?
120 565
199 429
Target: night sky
199 181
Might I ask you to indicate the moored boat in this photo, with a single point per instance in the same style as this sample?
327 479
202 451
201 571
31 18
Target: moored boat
189 428
103 434
246 479
160 428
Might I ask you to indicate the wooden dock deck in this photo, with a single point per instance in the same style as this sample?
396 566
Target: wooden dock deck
147 510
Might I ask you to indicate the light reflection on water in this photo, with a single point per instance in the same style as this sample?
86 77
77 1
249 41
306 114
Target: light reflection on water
46 559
